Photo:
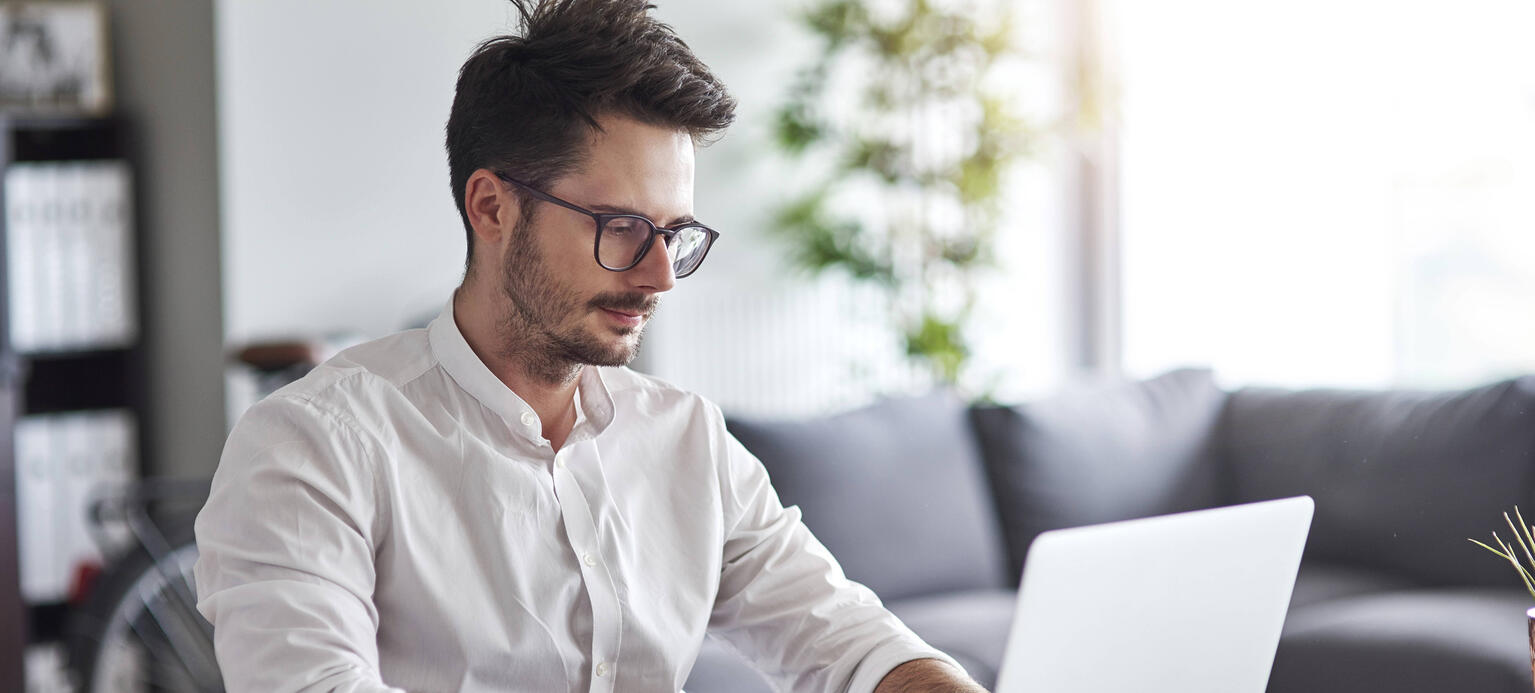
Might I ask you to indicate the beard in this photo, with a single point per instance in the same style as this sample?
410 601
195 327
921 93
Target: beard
543 328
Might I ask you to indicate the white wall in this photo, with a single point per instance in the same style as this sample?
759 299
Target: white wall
1356 214
336 210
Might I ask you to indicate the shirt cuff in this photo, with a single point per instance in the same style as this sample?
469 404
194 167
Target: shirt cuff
886 657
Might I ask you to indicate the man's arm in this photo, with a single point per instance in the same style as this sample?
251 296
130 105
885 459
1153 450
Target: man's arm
285 569
927 676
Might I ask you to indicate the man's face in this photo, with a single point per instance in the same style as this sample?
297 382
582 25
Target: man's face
564 308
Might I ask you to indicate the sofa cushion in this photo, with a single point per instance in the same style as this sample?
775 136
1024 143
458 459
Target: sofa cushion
720 669
1427 641
1101 453
894 490
1321 582
1401 478
972 627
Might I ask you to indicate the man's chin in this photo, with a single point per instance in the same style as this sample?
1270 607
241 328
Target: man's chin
614 353
630 349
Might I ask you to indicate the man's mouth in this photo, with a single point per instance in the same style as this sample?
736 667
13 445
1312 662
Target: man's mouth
626 317
628 311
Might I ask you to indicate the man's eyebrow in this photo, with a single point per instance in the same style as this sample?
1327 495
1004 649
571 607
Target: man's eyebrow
613 209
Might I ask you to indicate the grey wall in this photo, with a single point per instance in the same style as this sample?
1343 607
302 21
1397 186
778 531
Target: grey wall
163 60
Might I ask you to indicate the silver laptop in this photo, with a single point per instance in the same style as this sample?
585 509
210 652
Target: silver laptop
1186 603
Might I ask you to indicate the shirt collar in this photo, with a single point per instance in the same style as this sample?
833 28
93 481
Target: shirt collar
594 402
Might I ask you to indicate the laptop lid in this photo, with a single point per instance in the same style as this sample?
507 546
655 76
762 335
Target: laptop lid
1186 603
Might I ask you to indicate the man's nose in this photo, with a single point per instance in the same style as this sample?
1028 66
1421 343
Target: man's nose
655 269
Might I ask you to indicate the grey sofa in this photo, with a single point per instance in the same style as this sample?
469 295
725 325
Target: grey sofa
933 504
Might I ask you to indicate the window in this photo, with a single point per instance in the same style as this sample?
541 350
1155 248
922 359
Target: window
1328 192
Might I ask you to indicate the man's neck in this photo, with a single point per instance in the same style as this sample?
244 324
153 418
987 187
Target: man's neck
552 399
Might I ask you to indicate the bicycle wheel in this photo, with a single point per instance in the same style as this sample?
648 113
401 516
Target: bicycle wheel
140 631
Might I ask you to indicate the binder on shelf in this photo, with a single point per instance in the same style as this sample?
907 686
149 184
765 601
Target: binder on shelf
64 462
76 441
20 213
70 259
113 266
40 581
50 257
117 467
75 254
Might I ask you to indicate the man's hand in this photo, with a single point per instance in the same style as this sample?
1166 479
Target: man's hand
927 676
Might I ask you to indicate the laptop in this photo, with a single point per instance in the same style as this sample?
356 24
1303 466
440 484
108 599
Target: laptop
1186 603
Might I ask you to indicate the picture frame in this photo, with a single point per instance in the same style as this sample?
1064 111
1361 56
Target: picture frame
54 57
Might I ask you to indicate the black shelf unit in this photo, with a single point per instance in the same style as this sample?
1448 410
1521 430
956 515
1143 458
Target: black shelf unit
49 382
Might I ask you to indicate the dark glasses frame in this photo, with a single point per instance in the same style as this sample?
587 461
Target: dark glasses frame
601 220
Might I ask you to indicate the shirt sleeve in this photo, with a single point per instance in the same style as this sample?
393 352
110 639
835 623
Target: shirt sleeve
285 569
784 602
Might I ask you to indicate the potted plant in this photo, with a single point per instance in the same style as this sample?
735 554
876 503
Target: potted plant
906 133
1523 562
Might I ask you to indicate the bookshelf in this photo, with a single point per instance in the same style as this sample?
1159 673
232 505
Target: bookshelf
72 392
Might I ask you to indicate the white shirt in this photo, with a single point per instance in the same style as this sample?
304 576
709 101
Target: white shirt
395 521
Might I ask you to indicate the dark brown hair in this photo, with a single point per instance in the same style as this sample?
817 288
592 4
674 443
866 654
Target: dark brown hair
525 105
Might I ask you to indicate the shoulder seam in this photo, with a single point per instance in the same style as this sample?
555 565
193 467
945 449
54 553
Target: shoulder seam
350 424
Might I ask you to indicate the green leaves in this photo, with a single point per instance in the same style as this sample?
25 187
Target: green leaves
798 125
941 342
821 242
896 101
1524 538
837 21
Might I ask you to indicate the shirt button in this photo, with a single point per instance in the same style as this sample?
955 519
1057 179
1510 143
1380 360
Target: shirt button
589 559
602 668
529 418
559 462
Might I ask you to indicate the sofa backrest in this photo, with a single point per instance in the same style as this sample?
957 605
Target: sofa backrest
894 490
1401 478
1100 453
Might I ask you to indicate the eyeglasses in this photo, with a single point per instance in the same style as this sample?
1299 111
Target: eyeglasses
623 239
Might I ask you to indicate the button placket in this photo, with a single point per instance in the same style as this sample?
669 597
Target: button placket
581 535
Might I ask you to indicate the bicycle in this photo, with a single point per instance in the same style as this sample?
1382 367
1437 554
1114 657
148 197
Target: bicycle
139 631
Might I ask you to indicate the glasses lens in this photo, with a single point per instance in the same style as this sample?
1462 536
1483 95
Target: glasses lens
688 248
621 241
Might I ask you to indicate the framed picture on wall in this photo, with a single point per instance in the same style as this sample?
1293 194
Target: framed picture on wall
54 57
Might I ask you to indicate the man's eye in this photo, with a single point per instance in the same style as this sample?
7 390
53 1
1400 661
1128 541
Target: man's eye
619 228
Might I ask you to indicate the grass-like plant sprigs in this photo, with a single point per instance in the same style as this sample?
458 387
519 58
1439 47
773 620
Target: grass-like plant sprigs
1524 538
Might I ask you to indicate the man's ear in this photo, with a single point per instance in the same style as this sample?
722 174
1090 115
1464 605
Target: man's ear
491 209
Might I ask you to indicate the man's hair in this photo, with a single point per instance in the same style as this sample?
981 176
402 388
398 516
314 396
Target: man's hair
525 105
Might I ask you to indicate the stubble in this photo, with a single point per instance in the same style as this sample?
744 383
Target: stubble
543 329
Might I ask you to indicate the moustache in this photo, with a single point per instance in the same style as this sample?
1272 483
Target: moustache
627 303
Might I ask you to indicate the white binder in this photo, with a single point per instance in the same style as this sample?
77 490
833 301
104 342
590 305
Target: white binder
35 512
69 231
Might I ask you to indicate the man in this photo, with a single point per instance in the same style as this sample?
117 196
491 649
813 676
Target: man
493 503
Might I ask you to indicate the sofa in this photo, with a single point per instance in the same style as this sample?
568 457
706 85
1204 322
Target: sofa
932 503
